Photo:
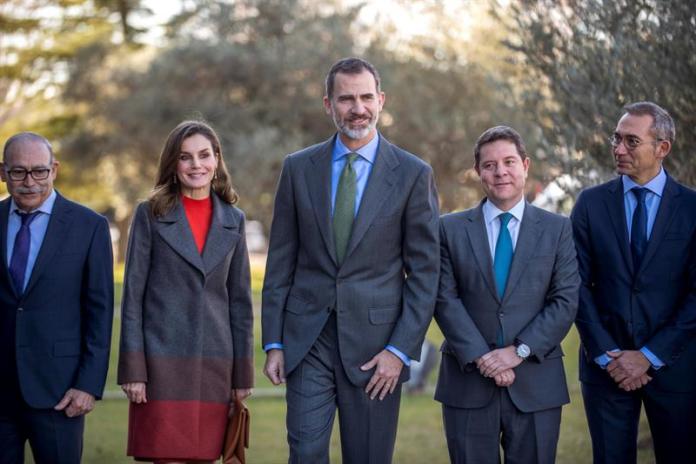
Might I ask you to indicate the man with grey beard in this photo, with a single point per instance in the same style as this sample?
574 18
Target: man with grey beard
351 276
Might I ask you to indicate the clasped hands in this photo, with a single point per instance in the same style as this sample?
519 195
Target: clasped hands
499 364
628 368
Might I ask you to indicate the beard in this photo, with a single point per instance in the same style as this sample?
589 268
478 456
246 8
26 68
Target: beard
343 126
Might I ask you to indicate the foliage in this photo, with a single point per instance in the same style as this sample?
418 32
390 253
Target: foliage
588 58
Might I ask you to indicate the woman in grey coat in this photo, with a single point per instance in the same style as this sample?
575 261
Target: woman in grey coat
186 333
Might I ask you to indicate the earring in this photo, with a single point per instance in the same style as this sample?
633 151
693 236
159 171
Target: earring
215 175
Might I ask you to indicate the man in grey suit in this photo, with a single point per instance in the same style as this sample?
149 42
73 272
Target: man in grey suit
351 276
508 295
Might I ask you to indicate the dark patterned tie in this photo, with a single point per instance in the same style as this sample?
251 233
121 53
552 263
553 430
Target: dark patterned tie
20 251
639 227
344 209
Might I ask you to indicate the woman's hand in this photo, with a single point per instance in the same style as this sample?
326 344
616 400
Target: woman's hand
135 391
238 394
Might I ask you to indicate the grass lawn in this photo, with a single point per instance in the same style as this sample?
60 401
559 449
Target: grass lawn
420 436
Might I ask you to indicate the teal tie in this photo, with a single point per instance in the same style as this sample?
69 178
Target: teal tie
503 254
344 209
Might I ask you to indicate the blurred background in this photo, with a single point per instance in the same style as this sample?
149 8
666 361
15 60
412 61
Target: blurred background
106 80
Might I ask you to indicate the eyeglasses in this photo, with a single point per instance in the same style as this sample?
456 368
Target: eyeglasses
631 142
19 174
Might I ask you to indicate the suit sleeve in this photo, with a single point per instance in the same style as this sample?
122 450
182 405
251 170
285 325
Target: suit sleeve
282 258
131 362
595 337
97 312
241 314
548 328
460 331
421 257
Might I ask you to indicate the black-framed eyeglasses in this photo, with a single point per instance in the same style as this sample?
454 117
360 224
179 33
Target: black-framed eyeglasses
19 174
631 142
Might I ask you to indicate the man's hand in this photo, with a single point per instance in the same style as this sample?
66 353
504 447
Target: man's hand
386 376
75 403
275 366
628 368
135 391
505 378
495 362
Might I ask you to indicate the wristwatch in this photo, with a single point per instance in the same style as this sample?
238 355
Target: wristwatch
522 350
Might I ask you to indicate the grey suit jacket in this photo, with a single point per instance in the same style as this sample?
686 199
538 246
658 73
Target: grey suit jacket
384 291
538 308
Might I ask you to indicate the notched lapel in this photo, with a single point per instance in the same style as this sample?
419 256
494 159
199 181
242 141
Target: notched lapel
58 226
222 236
665 214
478 239
379 186
318 177
614 202
174 229
527 239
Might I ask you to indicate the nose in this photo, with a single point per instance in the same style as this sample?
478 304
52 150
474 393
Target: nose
29 180
620 149
358 107
195 162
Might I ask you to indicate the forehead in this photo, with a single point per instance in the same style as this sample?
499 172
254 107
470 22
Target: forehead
639 125
195 143
354 84
28 154
500 149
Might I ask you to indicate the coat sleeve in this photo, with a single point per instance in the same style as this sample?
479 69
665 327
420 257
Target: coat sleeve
595 337
282 258
460 331
97 312
421 257
241 314
548 328
131 362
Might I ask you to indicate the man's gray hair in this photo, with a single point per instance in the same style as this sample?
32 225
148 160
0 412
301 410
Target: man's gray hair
24 137
663 124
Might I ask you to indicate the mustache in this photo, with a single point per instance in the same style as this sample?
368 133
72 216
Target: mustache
25 190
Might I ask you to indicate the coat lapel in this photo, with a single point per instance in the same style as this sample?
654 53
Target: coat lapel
222 235
318 178
665 214
478 238
175 230
614 203
4 218
58 226
380 183
527 239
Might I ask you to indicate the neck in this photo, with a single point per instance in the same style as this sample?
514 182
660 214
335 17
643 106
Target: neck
644 179
196 194
356 144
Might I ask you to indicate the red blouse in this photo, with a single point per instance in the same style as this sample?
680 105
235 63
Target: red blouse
199 214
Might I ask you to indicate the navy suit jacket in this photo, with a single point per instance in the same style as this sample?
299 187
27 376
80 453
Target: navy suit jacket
626 308
57 335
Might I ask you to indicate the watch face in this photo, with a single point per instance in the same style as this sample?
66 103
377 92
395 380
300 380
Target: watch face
523 350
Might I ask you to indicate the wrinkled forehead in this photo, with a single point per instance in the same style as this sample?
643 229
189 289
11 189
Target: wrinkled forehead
27 154
635 124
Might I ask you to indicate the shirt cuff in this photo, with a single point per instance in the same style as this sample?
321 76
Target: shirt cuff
404 359
273 346
654 360
603 360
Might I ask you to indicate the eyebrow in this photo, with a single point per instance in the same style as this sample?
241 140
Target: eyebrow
184 152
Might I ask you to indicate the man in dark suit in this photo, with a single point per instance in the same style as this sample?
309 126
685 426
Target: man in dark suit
56 308
508 296
636 242
351 276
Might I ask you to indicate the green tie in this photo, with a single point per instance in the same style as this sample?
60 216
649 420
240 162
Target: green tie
344 209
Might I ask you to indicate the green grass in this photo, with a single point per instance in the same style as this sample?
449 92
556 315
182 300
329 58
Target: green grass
420 437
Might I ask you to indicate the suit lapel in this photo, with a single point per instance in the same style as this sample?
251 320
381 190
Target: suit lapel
527 239
175 230
382 180
614 203
478 238
318 178
58 226
222 235
665 214
4 219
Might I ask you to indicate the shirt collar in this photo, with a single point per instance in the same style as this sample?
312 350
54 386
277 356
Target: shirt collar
368 151
46 207
656 184
490 211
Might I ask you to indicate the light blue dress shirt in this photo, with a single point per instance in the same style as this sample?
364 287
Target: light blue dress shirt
37 228
363 167
490 218
652 204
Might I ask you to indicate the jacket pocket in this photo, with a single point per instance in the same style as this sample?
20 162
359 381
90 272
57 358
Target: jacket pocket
383 315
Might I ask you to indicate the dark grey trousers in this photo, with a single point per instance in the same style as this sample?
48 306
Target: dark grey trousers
474 436
315 389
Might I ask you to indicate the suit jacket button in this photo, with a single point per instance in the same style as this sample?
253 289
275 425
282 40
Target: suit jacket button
500 316
20 309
